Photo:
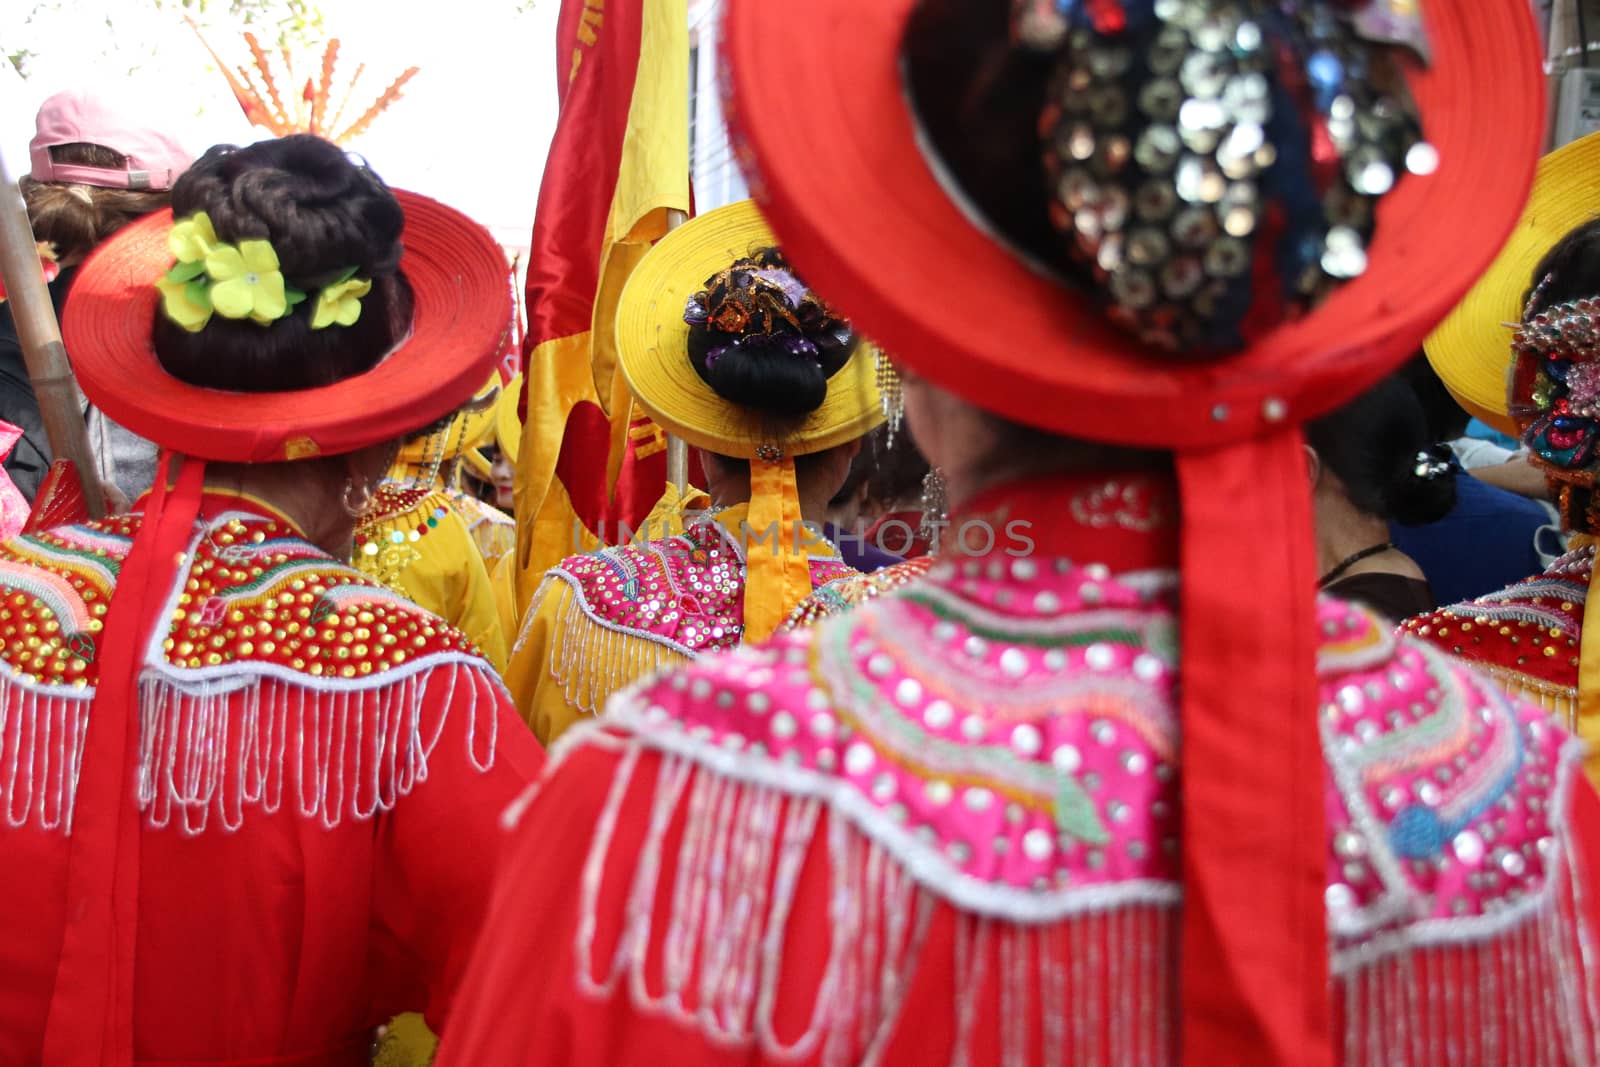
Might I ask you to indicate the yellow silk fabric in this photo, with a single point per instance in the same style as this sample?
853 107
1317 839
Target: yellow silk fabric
1588 717
779 571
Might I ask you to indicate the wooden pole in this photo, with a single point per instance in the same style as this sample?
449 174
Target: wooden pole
42 350
677 447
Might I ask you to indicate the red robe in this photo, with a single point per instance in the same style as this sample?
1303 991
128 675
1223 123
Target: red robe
319 774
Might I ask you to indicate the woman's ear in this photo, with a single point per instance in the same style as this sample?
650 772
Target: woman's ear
368 466
1313 466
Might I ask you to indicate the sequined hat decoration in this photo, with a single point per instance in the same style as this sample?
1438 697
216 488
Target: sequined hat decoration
1477 348
1216 164
1555 398
761 306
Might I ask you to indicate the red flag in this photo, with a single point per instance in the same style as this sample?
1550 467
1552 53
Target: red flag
618 166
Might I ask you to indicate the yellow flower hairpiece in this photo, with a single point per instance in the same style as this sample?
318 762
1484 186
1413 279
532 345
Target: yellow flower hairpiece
192 238
243 281
339 302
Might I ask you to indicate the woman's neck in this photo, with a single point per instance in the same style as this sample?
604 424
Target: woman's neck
302 494
734 490
1344 531
966 483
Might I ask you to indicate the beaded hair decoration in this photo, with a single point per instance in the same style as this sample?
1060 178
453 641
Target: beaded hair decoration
1556 382
1555 398
759 305
1215 164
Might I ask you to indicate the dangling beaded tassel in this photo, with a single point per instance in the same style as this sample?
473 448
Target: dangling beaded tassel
432 457
934 506
890 394
447 453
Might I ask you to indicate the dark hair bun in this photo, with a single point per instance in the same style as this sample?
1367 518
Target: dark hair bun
1569 271
324 213
1378 447
1424 489
762 340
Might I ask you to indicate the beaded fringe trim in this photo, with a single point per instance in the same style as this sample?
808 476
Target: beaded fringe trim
1560 701
1516 998
731 891
215 751
589 659
1517 995
493 537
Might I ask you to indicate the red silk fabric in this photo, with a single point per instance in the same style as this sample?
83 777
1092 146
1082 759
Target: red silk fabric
1254 983
91 1009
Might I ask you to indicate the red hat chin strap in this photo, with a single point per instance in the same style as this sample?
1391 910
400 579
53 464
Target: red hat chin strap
91 1007
1254 978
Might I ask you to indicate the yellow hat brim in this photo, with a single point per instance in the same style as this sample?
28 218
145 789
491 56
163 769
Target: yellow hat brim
652 342
507 424
471 427
1471 350
507 432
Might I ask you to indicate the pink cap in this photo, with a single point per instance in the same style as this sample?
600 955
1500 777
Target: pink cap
154 159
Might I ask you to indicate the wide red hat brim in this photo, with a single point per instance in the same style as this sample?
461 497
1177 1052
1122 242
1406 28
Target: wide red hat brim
831 148
462 311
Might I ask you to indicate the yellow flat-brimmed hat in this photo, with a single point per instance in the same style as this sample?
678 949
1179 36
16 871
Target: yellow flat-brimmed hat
1471 350
471 428
652 344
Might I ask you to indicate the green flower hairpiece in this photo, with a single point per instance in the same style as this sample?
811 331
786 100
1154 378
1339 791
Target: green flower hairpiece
243 281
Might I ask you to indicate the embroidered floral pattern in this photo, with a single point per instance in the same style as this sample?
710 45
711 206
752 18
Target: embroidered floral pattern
256 594
1008 730
842 594
686 592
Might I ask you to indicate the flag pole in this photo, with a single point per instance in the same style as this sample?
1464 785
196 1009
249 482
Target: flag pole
42 350
677 447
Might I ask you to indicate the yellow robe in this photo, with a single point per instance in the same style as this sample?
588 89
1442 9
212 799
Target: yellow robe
440 570
494 532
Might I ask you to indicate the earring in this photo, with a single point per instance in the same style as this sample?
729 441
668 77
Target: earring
357 501
890 393
933 505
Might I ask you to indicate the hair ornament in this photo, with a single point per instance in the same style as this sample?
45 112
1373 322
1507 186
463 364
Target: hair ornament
1433 463
339 302
1203 153
891 392
760 306
1555 382
242 280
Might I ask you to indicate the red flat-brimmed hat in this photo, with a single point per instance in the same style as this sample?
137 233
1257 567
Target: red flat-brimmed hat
461 313
846 174
844 181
